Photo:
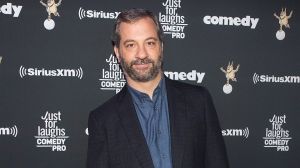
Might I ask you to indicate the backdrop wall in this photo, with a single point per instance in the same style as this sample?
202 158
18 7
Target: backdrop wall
55 70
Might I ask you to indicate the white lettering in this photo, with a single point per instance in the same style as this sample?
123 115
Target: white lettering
236 21
10 9
171 28
191 76
4 131
51 141
279 79
101 14
54 72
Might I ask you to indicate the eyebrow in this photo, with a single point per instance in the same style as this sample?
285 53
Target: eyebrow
149 38
152 38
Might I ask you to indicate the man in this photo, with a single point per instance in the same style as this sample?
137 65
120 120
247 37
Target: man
153 122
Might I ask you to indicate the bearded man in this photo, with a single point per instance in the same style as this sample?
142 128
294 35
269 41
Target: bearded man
153 122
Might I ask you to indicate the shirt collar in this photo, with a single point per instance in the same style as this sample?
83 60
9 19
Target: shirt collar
140 96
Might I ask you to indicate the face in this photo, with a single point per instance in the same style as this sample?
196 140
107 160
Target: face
282 14
50 2
229 68
140 51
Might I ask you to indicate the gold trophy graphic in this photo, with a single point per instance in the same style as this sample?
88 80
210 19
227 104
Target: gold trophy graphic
283 20
51 8
230 75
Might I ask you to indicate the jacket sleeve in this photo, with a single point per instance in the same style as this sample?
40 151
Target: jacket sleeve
97 154
215 152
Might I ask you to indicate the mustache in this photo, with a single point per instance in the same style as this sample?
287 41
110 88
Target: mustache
142 61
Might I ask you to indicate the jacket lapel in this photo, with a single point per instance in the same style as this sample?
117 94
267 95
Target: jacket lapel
177 113
133 130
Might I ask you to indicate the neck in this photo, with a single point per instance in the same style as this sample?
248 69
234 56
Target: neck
145 87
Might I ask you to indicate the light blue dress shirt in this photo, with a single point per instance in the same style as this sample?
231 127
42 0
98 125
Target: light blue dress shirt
153 116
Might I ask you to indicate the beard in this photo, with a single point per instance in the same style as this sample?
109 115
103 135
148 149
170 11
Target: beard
142 75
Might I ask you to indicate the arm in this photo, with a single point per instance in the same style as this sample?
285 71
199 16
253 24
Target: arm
237 68
215 152
276 16
43 4
222 70
58 3
97 155
290 15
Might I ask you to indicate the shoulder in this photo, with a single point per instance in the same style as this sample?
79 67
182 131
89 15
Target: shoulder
186 88
191 94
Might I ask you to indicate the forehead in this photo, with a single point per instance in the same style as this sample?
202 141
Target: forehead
139 29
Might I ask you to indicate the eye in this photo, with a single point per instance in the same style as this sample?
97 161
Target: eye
129 45
151 43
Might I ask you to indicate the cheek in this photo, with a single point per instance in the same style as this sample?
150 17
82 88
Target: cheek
154 52
128 53
125 58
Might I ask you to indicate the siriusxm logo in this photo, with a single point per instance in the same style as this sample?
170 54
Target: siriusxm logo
10 9
51 73
275 79
82 13
231 21
191 76
13 131
236 132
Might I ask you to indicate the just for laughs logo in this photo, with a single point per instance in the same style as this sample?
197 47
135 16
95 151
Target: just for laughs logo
172 23
283 20
52 10
51 136
112 77
230 74
277 137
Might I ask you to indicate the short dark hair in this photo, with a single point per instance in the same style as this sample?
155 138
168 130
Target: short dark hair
130 16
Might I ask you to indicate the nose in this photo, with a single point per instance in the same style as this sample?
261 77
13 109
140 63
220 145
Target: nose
142 52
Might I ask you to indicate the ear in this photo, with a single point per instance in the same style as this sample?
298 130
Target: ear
117 54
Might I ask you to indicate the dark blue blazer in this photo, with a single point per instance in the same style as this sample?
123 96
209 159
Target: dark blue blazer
116 138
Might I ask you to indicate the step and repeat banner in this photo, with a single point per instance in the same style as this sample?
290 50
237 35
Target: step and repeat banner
57 64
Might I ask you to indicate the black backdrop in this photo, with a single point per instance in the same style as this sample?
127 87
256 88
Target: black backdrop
51 79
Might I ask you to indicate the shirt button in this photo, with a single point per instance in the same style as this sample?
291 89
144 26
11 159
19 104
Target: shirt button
158 132
163 156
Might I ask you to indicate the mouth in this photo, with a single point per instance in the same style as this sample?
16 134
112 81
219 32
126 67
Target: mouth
142 66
